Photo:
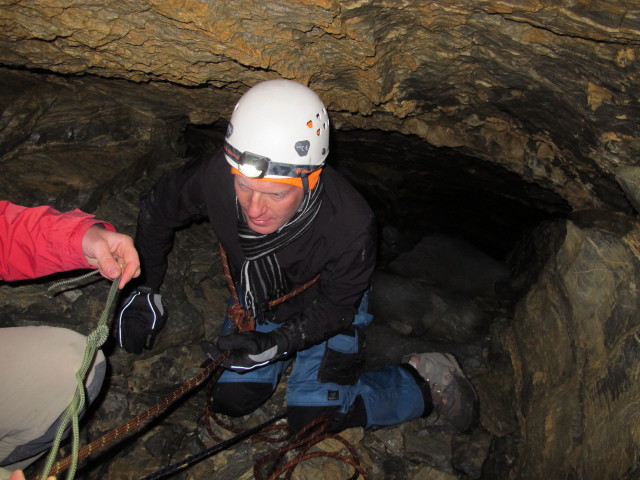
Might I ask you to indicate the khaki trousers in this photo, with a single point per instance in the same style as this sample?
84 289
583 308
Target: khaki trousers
37 382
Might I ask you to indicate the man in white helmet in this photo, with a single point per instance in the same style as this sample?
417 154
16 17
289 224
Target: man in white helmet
283 217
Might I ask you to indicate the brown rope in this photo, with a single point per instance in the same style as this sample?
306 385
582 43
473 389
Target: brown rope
304 440
280 432
272 433
142 419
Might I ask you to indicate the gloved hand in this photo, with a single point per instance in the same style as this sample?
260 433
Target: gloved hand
141 318
252 349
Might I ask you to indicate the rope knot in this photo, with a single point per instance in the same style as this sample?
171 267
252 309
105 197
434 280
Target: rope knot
241 317
99 335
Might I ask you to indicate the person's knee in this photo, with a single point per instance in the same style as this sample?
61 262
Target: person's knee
43 381
96 376
239 399
70 347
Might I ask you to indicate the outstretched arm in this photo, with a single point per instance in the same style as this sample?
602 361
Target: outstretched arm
40 241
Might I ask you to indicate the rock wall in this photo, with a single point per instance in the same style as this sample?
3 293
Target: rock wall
89 138
574 346
96 96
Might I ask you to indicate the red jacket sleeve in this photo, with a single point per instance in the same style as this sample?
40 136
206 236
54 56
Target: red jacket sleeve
40 241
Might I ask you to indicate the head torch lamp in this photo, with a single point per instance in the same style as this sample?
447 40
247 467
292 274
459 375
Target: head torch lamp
252 165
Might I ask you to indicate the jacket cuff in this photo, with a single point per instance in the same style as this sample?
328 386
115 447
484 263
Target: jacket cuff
66 238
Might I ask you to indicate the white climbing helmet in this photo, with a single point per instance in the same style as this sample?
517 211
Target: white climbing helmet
278 129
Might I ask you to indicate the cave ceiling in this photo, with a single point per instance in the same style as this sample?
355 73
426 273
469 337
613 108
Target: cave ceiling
545 90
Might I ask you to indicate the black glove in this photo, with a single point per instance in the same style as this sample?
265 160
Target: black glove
141 318
252 349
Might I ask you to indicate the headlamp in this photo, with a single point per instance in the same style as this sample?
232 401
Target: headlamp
253 166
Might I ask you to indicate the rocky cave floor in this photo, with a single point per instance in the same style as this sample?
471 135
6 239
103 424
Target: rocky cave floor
195 294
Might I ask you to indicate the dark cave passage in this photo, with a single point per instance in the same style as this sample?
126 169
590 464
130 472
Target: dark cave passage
416 189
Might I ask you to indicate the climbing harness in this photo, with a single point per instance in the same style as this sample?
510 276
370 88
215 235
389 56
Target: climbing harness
240 316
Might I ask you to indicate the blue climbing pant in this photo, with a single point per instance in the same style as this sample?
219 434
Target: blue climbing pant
326 381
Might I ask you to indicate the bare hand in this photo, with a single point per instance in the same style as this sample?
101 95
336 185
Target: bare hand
113 253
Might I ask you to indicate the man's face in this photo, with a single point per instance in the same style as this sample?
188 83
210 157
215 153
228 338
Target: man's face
266 205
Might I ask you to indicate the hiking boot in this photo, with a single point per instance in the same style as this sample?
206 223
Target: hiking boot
453 396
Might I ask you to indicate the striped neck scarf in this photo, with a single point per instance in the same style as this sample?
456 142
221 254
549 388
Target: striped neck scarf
261 279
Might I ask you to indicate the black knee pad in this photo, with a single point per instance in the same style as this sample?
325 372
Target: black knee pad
239 399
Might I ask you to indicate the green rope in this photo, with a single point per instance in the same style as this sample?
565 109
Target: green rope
72 281
94 341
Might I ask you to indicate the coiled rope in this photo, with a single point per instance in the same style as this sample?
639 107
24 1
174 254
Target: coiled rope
312 434
297 448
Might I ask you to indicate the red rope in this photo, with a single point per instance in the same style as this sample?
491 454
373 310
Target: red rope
303 441
280 432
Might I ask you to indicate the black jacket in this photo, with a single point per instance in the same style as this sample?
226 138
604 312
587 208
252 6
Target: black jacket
340 245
